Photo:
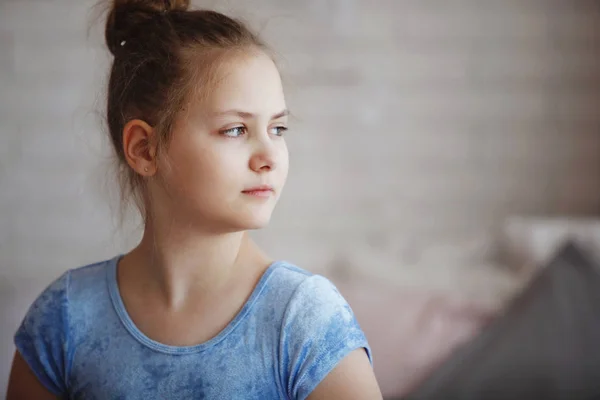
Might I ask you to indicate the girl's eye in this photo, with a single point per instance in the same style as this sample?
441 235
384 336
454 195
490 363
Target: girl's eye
279 130
234 132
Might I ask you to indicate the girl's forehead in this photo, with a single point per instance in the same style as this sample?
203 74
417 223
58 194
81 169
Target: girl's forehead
249 84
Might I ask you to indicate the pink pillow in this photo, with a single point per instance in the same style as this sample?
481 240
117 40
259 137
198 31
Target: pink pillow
410 332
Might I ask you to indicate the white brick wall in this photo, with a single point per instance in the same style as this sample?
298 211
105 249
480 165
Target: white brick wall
418 122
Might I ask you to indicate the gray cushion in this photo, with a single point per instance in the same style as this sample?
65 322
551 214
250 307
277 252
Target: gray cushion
545 346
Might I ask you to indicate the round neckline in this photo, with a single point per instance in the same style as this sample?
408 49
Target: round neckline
119 306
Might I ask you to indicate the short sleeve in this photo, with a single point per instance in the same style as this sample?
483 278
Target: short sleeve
41 339
319 329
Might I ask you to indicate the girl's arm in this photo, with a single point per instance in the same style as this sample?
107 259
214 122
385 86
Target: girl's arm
351 379
23 384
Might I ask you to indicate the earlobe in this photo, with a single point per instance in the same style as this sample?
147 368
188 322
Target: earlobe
139 147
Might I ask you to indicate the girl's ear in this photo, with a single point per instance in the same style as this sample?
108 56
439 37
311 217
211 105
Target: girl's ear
139 147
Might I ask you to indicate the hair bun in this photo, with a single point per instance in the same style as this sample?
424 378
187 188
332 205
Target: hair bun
125 15
165 5
155 5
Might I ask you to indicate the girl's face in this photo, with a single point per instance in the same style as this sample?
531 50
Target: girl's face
227 160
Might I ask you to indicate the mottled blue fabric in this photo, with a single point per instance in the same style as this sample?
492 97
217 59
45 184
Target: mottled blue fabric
81 344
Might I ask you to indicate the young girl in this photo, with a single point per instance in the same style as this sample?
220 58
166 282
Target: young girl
197 117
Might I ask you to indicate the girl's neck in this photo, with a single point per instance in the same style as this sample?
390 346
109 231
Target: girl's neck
179 264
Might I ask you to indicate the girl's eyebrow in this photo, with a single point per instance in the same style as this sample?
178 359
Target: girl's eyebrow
247 115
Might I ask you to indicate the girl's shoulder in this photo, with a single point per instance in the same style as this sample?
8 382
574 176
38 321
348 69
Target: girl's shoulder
73 285
49 329
302 286
317 327
293 286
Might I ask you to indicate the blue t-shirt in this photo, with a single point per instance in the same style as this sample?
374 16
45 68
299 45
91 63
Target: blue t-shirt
81 344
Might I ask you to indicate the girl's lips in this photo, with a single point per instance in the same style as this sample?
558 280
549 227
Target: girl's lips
259 191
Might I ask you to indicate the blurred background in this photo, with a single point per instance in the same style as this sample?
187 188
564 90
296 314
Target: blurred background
440 149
